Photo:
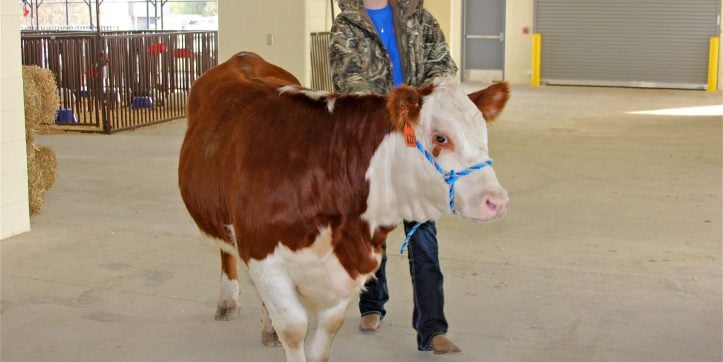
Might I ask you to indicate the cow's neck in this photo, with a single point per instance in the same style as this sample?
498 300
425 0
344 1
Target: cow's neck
403 185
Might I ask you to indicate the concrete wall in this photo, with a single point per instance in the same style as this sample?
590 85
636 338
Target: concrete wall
442 11
14 209
518 48
278 30
275 29
449 15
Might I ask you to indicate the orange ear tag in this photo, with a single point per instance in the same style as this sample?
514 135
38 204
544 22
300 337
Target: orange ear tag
409 138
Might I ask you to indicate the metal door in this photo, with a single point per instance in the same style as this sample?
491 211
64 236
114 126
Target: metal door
483 45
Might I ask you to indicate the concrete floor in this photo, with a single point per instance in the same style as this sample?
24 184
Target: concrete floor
611 250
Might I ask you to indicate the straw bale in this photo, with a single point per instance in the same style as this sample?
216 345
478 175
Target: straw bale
41 176
30 143
33 105
41 96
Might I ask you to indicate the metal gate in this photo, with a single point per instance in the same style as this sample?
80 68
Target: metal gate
121 80
637 43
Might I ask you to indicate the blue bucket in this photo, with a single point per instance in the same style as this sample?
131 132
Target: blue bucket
65 116
141 102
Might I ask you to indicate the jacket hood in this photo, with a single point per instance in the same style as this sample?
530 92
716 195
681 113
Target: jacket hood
357 5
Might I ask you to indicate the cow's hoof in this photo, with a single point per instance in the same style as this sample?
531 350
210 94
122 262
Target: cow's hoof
270 339
227 313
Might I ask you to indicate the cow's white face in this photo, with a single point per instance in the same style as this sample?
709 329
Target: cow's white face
452 127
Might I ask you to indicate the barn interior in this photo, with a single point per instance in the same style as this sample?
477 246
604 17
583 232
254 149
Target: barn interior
611 249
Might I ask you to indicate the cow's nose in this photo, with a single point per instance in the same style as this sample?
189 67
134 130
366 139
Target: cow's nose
495 204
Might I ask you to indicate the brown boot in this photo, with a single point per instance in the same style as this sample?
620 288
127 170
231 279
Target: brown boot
441 344
370 322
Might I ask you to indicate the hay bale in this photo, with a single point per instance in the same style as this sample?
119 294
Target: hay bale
33 114
33 106
40 95
30 143
41 176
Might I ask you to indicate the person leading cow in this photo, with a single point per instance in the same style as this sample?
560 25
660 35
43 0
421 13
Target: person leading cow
378 45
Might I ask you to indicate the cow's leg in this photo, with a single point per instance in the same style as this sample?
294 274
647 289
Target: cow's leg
228 301
268 335
278 294
329 322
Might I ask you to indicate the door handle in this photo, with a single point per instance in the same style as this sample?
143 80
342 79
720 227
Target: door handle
500 37
482 37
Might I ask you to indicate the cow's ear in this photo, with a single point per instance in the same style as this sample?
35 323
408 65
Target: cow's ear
404 104
491 100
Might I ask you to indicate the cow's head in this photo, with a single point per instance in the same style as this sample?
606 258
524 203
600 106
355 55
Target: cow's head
452 127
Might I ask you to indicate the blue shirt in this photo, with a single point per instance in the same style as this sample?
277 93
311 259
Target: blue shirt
383 20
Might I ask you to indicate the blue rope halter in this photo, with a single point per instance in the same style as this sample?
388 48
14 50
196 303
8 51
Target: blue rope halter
450 178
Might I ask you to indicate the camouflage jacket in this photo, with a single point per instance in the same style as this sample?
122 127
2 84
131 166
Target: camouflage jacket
359 61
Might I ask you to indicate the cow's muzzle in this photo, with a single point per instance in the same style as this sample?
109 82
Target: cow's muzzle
494 205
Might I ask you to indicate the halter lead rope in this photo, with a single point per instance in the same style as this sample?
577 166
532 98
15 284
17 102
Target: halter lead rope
450 178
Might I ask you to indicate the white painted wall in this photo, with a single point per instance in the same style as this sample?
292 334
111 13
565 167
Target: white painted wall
455 33
245 25
518 48
441 9
14 207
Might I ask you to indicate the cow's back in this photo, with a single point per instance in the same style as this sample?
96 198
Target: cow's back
214 102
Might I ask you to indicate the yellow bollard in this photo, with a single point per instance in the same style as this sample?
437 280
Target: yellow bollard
713 64
536 51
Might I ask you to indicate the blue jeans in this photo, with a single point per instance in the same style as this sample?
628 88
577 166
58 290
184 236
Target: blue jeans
428 316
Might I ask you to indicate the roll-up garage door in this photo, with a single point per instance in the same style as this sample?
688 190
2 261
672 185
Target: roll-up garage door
638 43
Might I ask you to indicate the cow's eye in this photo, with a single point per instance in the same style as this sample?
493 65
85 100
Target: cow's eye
440 140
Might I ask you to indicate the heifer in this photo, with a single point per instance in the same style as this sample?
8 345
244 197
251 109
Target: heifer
303 186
